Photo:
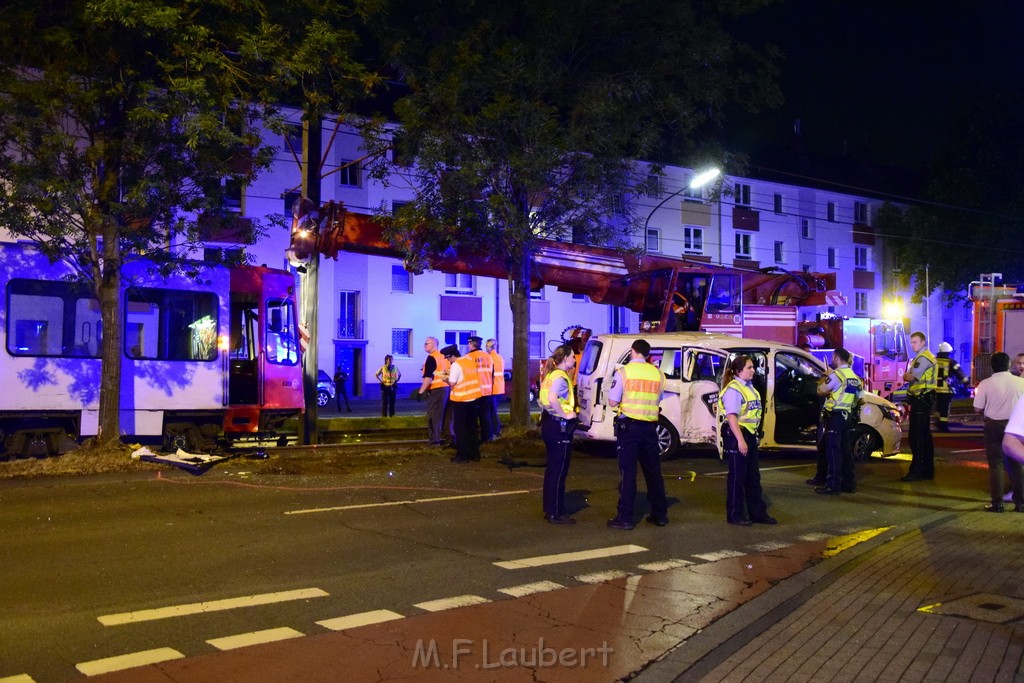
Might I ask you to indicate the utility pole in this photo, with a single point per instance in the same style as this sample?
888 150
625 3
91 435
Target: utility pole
312 143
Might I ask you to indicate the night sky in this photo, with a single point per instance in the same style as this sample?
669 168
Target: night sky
882 81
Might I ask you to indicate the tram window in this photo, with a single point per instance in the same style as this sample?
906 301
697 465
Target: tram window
282 341
51 319
166 324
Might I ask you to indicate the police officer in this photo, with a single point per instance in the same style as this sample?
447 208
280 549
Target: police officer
921 396
465 399
636 392
740 412
388 376
485 376
945 367
557 400
842 389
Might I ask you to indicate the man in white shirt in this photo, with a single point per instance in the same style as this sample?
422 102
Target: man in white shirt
995 398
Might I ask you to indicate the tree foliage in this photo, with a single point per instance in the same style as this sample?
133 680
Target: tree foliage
124 121
525 117
972 219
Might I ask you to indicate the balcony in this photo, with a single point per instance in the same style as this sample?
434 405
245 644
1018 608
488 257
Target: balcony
349 328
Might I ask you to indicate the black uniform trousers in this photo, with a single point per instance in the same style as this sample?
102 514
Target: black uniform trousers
464 419
637 442
387 400
484 417
922 448
743 491
943 401
839 451
557 435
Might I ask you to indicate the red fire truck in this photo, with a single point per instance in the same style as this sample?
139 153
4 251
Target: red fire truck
998 322
879 347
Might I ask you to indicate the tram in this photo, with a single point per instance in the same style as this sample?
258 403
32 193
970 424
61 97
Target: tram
209 356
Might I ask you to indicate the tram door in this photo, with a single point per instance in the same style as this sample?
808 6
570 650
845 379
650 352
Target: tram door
243 371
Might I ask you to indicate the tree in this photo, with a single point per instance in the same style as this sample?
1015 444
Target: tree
524 119
124 123
971 221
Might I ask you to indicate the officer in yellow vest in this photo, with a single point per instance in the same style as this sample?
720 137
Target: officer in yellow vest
388 376
557 400
740 412
465 399
842 389
636 393
497 388
921 396
946 367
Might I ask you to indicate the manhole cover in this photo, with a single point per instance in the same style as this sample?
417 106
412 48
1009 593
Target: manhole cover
996 609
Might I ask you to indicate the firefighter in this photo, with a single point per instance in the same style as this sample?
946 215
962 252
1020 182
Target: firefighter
945 367
921 396
842 389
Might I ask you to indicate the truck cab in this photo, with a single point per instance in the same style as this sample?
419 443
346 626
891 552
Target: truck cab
693 362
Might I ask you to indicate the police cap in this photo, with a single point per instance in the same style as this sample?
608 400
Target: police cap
450 350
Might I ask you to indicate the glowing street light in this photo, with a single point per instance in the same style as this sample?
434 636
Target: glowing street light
704 177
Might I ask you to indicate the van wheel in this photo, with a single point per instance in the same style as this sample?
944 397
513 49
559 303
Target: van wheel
865 442
668 438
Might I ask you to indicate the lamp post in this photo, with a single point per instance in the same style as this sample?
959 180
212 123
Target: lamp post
699 180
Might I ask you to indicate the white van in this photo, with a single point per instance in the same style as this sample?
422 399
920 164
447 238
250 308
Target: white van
693 363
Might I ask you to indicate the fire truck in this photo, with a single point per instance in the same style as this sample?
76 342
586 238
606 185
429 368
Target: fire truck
998 322
879 347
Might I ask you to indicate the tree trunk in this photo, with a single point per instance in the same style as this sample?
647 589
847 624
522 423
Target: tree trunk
108 291
519 302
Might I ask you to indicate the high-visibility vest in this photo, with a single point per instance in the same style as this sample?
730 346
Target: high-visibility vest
498 363
484 370
469 388
944 368
927 381
441 368
568 404
845 397
751 409
641 391
388 375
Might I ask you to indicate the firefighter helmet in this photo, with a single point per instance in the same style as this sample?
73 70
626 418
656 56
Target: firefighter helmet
945 347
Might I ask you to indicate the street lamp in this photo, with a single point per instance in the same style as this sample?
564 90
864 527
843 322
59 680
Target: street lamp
699 180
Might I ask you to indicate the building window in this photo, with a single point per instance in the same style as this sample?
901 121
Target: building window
348 320
653 240
401 343
860 302
778 203
289 199
831 211
580 297
458 283
860 213
537 345
742 194
832 258
780 252
805 229
291 141
693 194
743 245
460 338
693 240
654 186
401 279
348 173
396 205
860 258
618 319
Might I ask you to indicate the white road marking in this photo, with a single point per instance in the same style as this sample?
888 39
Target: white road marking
451 603
404 502
20 678
813 537
102 666
270 635
543 560
530 588
212 606
361 619
720 555
762 469
852 530
662 566
971 450
601 577
770 545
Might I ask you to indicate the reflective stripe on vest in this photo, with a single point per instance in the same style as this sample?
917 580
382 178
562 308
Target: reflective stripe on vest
942 368
484 370
750 410
568 403
469 388
498 363
845 397
927 381
641 391
442 367
388 376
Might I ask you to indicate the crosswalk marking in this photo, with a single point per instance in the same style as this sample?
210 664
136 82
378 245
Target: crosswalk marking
662 566
212 606
719 555
530 588
108 664
451 603
269 635
601 577
770 545
361 619
543 560
20 678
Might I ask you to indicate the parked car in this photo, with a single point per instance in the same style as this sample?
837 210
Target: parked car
324 389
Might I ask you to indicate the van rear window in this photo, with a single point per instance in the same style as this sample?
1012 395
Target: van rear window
591 354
